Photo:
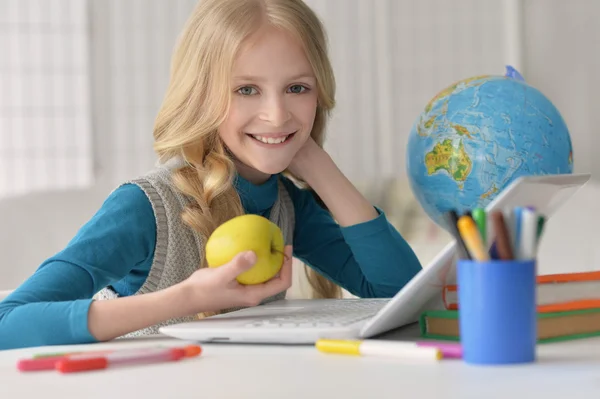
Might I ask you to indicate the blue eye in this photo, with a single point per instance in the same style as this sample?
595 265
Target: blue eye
297 89
246 91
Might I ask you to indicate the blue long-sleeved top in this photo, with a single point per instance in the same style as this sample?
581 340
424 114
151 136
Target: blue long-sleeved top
116 247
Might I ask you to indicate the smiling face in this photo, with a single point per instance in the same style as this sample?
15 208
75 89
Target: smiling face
273 104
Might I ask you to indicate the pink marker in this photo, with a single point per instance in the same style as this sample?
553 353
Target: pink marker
45 363
48 361
450 350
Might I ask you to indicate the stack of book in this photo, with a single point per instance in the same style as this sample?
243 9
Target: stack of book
568 307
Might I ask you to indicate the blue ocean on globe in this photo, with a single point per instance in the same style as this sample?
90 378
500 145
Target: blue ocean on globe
478 135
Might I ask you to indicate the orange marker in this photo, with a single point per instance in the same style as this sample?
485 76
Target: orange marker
472 238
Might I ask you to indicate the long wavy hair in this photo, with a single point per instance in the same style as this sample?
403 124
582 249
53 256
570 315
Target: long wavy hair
198 97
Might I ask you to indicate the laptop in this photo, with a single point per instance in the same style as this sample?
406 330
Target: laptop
304 321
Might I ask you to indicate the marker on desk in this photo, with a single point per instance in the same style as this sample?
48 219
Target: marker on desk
49 361
63 354
470 234
450 350
78 363
400 350
38 364
190 351
451 218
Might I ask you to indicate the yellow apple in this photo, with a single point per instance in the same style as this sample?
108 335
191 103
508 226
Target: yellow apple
248 233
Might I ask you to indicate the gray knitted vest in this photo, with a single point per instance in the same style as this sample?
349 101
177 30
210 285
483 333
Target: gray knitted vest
179 249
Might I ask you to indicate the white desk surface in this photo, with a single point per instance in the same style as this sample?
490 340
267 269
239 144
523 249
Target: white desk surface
564 370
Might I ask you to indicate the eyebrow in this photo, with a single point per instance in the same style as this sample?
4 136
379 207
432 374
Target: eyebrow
260 79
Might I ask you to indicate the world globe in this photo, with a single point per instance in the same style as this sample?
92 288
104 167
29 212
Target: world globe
477 136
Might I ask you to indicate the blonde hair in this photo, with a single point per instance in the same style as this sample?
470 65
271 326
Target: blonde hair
198 97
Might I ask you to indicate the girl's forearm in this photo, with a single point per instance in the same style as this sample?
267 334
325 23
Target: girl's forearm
109 319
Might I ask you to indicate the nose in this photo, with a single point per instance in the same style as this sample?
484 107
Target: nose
275 111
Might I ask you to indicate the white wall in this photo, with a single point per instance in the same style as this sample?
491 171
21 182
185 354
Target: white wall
562 59
132 45
390 57
45 104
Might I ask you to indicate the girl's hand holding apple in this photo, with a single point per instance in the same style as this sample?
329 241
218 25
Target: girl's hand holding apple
212 289
247 263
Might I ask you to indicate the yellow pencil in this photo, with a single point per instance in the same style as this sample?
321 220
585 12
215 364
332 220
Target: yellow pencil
472 238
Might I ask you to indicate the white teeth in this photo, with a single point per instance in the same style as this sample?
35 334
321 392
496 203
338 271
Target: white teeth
271 140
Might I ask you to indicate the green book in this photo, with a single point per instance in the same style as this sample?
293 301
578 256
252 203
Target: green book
552 327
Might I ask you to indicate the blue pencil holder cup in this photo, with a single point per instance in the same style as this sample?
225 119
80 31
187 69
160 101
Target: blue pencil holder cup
497 311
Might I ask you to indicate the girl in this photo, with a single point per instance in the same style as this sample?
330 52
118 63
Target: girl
250 90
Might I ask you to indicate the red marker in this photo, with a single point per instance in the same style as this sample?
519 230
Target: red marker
87 363
48 361
80 361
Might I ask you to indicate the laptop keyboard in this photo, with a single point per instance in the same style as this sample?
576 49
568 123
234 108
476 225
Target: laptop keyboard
336 314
